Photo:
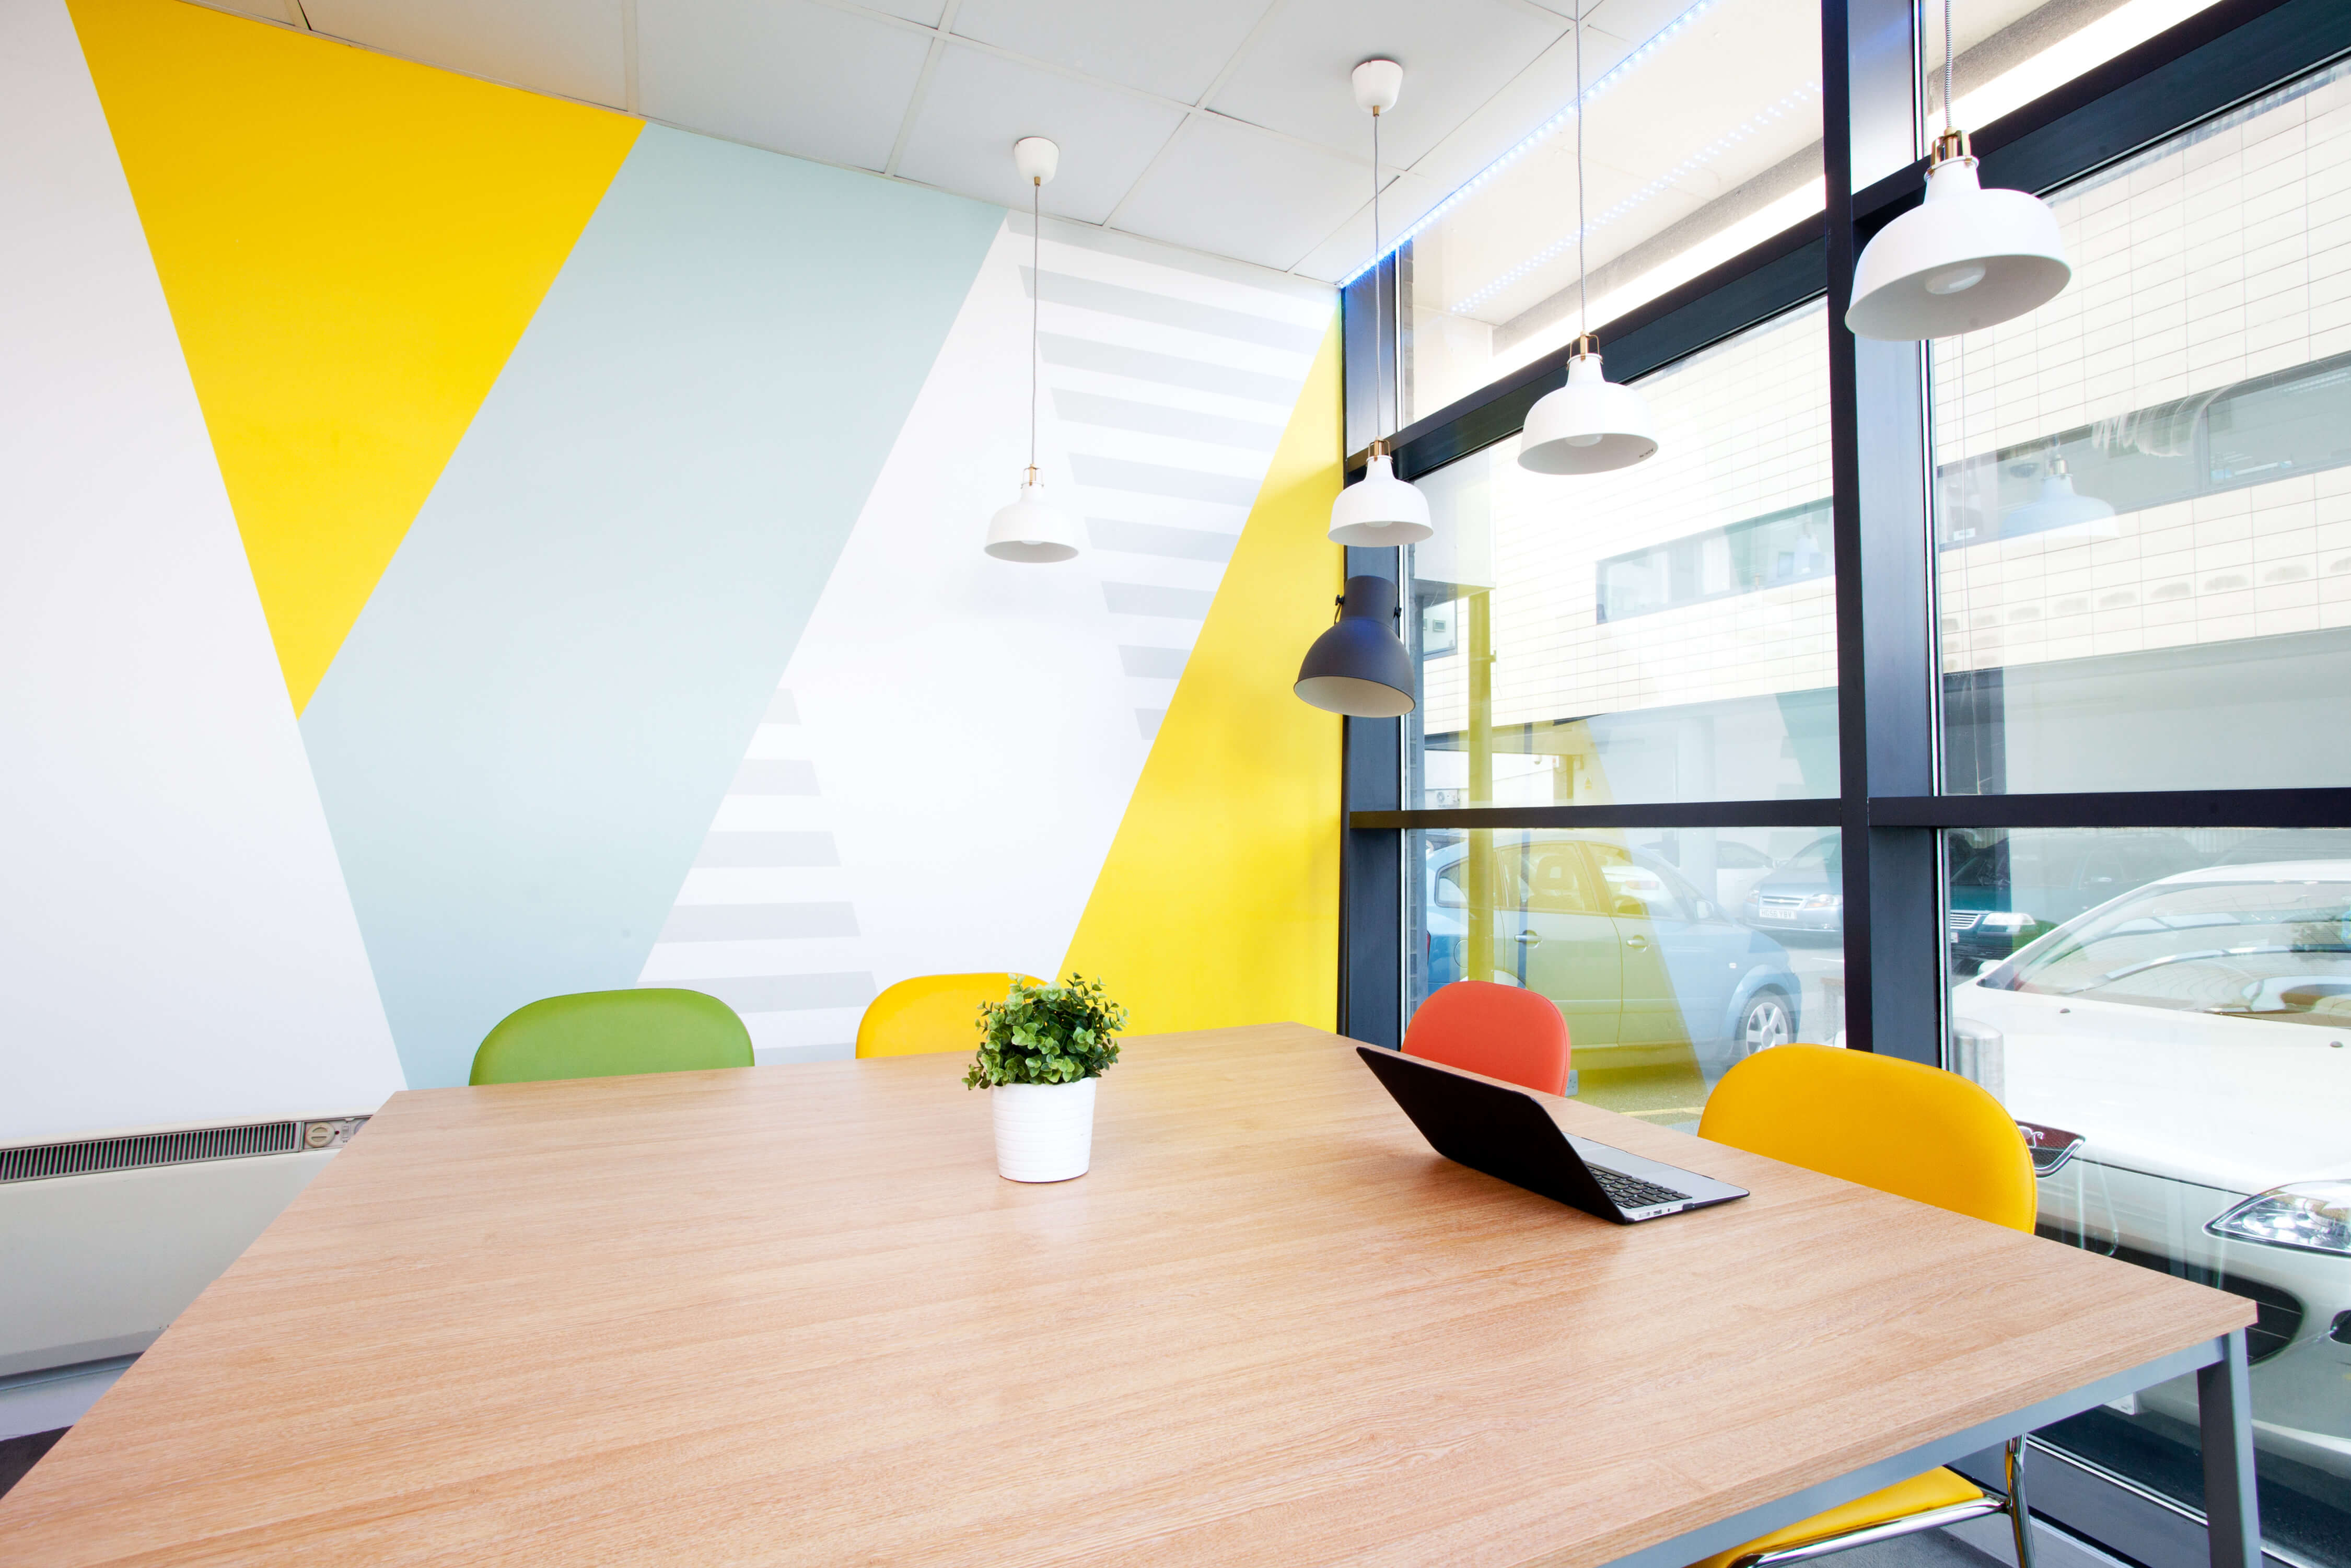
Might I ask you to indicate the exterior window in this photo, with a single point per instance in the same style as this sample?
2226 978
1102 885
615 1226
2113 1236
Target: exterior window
2170 1016
1646 939
1665 633
2144 488
1702 142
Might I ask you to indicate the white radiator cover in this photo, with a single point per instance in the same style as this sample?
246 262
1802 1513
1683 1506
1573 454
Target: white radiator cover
98 1265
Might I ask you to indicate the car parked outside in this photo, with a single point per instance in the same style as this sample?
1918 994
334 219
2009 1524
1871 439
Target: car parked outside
1634 955
1805 896
2195 1035
2018 886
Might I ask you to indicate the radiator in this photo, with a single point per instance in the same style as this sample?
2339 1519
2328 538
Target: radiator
104 1241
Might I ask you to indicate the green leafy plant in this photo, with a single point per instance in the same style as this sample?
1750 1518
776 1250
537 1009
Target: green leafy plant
1046 1034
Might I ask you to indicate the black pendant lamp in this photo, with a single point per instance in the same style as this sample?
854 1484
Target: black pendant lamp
1358 667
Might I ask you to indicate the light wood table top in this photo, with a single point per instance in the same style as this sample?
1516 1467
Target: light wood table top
791 1314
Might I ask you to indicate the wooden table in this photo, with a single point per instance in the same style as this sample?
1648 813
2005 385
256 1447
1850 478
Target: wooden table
791 1314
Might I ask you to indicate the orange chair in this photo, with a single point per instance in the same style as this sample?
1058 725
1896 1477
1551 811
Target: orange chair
1502 1031
930 1013
1902 1128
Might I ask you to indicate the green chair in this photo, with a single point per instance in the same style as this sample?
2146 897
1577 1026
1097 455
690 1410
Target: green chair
603 1034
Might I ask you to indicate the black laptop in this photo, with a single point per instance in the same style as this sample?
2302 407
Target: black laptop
1507 1133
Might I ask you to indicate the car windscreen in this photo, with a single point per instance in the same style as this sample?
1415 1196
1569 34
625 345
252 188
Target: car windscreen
2278 951
1823 854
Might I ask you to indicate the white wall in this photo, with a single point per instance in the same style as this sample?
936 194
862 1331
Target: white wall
176 944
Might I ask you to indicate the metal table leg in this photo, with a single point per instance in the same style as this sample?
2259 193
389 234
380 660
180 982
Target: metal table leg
2224 1412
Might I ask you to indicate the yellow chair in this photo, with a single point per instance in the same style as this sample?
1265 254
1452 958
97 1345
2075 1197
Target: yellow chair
930 1013
1902 1128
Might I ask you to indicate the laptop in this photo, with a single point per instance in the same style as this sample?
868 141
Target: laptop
1507 1133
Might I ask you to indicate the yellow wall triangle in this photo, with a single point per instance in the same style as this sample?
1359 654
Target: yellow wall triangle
1219 901
350 246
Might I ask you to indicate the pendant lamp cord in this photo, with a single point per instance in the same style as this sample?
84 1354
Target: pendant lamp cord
1036 293
1379 363
1947 65
1583 272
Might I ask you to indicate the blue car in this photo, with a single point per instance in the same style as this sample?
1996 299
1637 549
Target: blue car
1634 955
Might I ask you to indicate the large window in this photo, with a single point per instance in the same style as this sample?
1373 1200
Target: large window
2169 1012
1664 632
2143 567
1702 139
1661 634
2090 811
2143 498
1672 952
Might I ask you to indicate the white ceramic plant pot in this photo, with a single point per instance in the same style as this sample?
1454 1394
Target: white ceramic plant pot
1044 1132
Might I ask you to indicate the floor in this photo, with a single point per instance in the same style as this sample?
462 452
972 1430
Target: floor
19 1455
1932 1548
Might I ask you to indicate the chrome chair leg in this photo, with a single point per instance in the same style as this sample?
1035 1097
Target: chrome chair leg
2020 1516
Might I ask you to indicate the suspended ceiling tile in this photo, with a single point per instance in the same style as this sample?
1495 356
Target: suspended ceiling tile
1294 76
791 74
1172 49
567 47
1235 190
1641 20
926 12
979 104
1348 247
1532 100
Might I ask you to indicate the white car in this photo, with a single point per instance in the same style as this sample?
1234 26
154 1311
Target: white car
2196 1035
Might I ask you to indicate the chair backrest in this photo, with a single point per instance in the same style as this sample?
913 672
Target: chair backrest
602 1034
930 1013
1895 1126
1502 1031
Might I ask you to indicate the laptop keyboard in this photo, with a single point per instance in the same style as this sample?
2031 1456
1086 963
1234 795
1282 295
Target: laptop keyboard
1631 1192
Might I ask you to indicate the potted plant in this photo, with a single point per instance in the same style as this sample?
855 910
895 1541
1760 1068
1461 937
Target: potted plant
1040 1049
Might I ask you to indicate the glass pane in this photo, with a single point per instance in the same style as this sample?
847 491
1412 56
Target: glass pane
1664 632
2169 1012
1702 140
2012 51
1646 939
2144 496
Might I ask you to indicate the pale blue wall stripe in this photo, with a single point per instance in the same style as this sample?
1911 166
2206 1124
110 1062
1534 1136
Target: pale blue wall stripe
1152 664
524 739
1159 479
774 776
788 993
1151 598
1165 310
758 922
1169 370
739 850
1160 539
1158 418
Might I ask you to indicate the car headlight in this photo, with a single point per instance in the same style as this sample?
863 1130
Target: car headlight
1823 901
2007 919
2311 1215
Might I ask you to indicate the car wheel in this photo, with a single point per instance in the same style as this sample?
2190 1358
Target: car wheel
1765 1022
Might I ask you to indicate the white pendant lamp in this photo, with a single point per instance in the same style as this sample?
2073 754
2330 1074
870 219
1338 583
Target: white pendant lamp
1028 529
1590 424
1378 509
1963 258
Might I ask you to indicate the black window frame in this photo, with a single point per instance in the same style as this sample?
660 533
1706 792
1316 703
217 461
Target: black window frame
1893 808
